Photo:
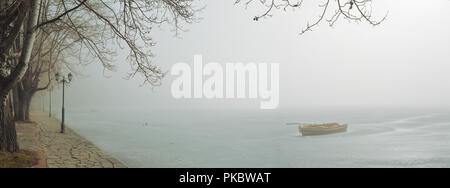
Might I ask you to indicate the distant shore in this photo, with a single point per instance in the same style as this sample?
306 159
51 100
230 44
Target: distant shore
68 150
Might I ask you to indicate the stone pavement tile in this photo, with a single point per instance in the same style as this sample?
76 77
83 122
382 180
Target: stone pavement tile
68 150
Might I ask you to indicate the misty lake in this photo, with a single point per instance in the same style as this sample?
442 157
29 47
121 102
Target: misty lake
241 138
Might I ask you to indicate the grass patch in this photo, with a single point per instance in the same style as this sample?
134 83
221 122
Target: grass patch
22 159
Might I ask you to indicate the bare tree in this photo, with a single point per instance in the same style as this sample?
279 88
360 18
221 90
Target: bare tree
96 27
50 49
103 25
15 53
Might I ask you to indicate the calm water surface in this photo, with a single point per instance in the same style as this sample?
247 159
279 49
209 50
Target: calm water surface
240 138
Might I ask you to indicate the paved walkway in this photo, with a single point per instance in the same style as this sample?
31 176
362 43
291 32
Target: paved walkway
68 150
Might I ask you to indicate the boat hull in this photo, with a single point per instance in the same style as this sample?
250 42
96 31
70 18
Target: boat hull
314 131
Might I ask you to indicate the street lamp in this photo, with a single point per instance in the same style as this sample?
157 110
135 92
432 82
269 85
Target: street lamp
50 101
63 80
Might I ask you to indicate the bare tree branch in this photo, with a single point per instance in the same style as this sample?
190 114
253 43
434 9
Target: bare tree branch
353 10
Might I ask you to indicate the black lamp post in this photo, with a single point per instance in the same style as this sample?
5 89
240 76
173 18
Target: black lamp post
63 80
50 101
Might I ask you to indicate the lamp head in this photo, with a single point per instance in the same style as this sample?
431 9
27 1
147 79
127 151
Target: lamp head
69 76
57 76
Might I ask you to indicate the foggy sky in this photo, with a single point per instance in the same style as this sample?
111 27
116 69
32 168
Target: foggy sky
403 62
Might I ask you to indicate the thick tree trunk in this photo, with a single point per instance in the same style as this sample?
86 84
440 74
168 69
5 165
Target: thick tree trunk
20 115
18 103
27 102
8 136
19 106
22 101
22 105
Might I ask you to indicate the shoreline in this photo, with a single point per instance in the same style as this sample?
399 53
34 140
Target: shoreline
68 150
